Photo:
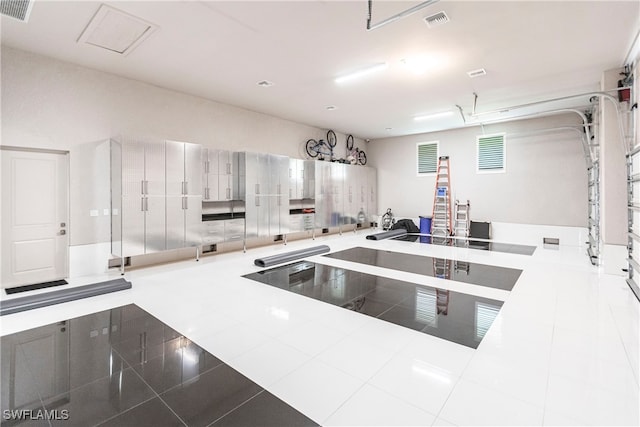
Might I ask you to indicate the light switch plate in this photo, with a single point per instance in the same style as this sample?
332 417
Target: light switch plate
105 212
93 212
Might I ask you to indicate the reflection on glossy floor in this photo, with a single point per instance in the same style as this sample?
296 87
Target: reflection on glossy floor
563 349
453 316
509 248
125 367
458 270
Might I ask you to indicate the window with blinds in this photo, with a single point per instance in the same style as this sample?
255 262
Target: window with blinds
427 157
491 153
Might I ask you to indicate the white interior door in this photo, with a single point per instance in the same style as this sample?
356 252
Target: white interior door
34 219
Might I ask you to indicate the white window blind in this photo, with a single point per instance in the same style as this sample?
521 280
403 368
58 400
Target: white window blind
491 153
427 157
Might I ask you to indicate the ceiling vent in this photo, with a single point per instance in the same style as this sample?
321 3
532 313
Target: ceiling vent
477 73
436 19
16 9
115 30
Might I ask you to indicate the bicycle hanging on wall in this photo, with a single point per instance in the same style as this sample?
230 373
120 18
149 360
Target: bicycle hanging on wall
321 148
355 156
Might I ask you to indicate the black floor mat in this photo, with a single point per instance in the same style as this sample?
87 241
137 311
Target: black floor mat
35 286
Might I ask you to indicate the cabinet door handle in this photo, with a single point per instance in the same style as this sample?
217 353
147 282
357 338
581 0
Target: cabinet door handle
257 188
142 187
228 194
184 203
142 204
257 201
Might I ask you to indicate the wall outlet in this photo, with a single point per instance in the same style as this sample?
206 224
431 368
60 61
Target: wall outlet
93 212
105 212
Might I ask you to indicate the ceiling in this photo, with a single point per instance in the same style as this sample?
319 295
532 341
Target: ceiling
219 50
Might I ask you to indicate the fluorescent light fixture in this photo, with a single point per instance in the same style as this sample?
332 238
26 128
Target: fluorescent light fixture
361 72
434 116
331 107
265 83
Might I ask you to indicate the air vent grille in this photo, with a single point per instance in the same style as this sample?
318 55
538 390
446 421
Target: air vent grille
16 9
436 19
477 73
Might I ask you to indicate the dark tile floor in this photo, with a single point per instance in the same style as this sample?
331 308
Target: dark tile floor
450 315
461 271
471 244
124 367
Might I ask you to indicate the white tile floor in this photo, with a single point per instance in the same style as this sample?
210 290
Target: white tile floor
564 349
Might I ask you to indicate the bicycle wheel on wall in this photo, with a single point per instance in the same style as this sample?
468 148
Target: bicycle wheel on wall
362 158
310 148
350 142
331 138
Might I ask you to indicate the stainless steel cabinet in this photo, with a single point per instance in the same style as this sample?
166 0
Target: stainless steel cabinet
234 230
138 178
355 197
264 183
345 195
301 179
329 194
300 222
183 194
225 230
156 196
372 194
213 232
220 176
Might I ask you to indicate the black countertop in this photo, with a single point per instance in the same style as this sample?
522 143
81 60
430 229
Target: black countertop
222 216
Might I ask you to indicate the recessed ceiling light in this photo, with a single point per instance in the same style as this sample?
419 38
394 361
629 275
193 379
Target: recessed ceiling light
331 107
361 72
265 83
115 30
434 115
477 73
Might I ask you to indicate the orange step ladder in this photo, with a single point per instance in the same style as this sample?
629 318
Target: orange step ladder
441 222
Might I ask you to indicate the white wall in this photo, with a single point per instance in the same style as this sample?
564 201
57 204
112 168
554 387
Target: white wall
51 104
545 180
